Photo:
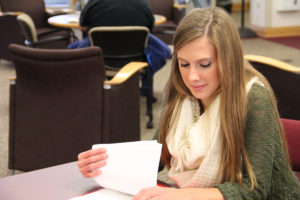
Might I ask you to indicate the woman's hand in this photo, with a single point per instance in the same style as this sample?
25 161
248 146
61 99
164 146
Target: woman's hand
167 193
90 161
161 193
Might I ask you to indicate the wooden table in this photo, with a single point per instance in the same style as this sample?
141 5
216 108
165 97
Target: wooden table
159 19
66 20
72 20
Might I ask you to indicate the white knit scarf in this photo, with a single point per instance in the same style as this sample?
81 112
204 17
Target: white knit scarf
194 143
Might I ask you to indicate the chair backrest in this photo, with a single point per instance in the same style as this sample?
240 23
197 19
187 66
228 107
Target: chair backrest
34 8
28 28
164 8
284 79
166 30
10 33
55 106
54 39
292 133
120 44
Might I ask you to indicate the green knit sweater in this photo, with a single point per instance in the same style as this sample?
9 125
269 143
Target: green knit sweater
264 148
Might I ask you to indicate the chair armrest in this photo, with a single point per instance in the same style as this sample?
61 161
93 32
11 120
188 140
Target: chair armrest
125 73
179 6
72 34
51 31
273 62
12 80
50 39
10 13
166 32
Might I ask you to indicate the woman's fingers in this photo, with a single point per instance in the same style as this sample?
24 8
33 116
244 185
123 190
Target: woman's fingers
91 156
93 169
91 153
147 193
90 161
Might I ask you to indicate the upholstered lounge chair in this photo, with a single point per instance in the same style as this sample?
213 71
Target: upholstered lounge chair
61 104
11 33
292 133
33 40
173 14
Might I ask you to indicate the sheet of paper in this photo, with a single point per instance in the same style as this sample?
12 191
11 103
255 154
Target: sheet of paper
131 166
104 194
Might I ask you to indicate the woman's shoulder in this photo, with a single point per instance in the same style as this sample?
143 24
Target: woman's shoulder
260 102
259 94
258 88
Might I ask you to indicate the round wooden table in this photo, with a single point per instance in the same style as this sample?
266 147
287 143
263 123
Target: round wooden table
72 20
159 19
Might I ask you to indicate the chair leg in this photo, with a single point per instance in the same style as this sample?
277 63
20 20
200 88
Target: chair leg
149 99
12 172
74 38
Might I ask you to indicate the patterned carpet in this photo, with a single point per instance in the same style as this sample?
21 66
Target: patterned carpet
6 70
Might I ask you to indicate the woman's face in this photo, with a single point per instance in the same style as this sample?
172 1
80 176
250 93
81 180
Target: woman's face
198 67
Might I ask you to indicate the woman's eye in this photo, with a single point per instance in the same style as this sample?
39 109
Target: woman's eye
184 64
205 65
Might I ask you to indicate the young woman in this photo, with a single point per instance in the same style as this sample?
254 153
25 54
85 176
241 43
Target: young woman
220 129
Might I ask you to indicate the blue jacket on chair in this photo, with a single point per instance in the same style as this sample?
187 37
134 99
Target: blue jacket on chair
157 53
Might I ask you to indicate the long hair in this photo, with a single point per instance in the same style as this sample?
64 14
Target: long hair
234 73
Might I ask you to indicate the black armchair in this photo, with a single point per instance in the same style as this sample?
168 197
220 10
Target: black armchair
121 45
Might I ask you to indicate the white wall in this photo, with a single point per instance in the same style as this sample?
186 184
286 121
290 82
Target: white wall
285 18
265 13
258 15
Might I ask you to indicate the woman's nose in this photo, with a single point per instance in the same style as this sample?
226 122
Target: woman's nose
193 74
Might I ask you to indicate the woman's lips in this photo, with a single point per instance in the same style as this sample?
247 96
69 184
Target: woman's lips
198 87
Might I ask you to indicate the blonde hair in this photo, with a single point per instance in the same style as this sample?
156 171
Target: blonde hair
234 73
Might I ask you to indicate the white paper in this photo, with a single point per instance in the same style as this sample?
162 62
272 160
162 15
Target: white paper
104 194
131 166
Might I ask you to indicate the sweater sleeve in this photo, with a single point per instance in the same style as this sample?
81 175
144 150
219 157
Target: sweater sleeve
261 135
